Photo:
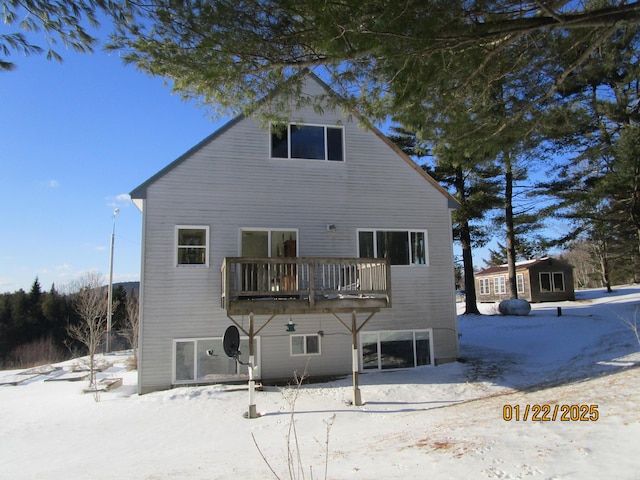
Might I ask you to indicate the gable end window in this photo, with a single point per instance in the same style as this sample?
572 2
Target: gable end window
400 247
309 142
192 245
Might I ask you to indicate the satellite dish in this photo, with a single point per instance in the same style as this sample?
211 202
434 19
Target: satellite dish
231 342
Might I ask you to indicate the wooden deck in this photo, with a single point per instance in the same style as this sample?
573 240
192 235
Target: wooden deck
304 285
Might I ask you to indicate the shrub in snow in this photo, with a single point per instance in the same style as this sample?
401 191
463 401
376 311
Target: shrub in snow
514 306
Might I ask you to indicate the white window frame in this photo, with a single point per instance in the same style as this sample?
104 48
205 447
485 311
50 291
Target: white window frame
415 355
500 285
520 282
305 345
485 286
177 246
326 142
195 358
409 232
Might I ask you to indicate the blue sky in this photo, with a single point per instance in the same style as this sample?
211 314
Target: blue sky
75 139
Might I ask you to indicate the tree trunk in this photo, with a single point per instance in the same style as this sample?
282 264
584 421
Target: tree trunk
511 236
471 306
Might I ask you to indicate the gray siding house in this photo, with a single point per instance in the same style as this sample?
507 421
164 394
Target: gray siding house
308 238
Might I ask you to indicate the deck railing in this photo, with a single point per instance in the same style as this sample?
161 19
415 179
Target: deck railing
318 282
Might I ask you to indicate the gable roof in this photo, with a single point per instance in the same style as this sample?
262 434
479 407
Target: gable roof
140 192
525 265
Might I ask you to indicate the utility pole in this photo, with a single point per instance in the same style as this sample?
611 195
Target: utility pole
110 290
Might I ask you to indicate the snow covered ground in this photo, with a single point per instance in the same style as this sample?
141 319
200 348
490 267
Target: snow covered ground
444 422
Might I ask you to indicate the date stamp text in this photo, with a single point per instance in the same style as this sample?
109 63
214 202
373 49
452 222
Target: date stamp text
550 413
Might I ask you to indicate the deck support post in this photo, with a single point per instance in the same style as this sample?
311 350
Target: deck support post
357 397
251 412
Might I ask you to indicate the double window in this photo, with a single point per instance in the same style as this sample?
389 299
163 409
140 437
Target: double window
400 247
310 142
551 282
500 285
305 344
192 245
396 349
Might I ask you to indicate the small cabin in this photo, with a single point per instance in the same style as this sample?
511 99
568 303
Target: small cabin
544 279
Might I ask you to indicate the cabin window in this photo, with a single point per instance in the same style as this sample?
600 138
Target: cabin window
305 344
396 349
309 142
520 282
400 247
551 281
192 245
485 286
204 359
499 285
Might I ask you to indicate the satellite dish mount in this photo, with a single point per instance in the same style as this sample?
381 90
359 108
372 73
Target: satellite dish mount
231 344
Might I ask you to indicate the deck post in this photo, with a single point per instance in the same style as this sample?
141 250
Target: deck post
252 412
357 398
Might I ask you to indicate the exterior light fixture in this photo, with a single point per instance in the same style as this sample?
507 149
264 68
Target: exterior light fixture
291 327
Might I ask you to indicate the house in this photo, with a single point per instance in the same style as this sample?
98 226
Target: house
544 279
311 239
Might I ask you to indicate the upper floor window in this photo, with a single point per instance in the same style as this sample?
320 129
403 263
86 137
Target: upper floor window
400 247
310 142
192 245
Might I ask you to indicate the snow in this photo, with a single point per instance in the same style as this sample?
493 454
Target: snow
441 422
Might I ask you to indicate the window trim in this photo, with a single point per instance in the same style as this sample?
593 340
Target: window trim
487 289
520 287
409 232
413 339
305 353
195 340
206 247
503 285
326 142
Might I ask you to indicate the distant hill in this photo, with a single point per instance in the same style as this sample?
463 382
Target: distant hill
128 286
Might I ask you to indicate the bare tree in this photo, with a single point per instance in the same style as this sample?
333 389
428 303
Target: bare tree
131 308
90 302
